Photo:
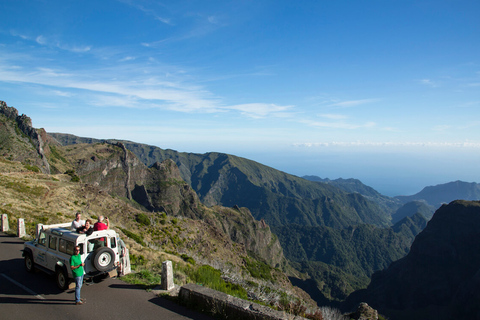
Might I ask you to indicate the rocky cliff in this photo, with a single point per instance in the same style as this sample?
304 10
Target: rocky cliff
21 143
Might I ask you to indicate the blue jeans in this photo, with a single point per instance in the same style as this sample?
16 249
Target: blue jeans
78 286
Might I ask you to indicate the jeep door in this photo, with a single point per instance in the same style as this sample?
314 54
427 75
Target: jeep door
40 250
51 253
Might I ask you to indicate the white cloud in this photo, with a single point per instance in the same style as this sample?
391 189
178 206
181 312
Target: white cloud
353 103
127 59
429 83
442 127
62 93
338 124
333 116
41 40
261 110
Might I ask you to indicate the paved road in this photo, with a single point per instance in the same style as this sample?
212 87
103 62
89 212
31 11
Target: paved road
35 296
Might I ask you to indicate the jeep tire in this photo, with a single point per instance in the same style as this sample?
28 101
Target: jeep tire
61 278
29 264
103 259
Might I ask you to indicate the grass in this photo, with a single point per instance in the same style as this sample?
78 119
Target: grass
212 278
259 269
138 239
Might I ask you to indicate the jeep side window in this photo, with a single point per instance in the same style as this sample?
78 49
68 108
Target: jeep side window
93 244
52 244
42 238
113 243
66 246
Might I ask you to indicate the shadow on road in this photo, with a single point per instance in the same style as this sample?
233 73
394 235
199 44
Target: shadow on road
30 300
181 310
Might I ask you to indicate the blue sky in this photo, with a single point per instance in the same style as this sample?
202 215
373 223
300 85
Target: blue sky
384 91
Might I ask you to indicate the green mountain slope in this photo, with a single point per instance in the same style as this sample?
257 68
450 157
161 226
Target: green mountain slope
410 208
353 253
277 197
388 204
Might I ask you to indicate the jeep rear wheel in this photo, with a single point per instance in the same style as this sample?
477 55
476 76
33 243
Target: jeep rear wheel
61 279
103 259
29 264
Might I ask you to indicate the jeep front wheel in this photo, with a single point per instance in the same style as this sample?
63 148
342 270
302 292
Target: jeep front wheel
103 259
29 264
61 279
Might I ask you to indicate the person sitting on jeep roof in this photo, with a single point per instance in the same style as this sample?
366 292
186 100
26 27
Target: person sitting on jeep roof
87 228
100 225
77 223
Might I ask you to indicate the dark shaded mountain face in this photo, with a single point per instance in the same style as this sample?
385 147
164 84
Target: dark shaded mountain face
349 256
411 208
440 276
445 193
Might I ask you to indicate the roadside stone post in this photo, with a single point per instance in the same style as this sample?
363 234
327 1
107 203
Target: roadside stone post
167 276
21 228
5 223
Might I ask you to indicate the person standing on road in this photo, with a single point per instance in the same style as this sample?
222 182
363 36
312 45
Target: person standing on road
77 265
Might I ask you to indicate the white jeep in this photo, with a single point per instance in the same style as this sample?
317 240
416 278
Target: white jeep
51 251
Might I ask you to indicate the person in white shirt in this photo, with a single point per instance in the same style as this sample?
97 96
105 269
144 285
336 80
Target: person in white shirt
77 223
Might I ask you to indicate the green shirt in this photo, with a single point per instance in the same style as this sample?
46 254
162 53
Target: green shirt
76 261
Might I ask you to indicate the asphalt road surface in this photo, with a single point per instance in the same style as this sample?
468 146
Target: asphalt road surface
25 295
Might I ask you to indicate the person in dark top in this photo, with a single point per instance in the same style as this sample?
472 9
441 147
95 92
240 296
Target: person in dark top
87 228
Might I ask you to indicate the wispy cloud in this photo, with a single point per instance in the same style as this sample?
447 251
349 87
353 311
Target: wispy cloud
429 82
261 110
442 127
62 93
148 11
333 116
352 103
335 121
149 88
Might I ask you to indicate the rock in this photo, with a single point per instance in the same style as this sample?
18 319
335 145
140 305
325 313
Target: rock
364 312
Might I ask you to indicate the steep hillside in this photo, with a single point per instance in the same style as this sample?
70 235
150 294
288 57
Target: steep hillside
445 193
411 208
352 253
19 141
439 277
277 197
388 204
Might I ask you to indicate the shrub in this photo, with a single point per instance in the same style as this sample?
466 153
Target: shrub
72 174
137 238
143 219
32 168
188 259
259 269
